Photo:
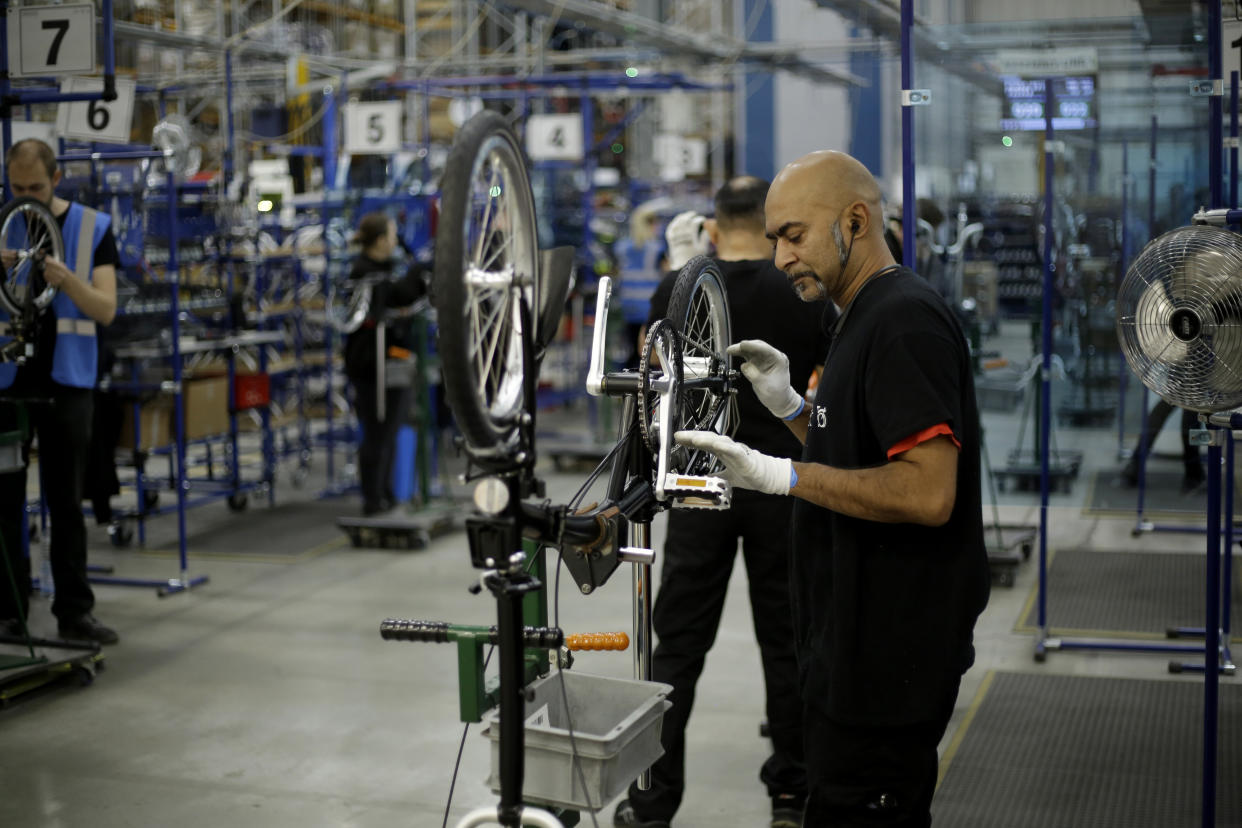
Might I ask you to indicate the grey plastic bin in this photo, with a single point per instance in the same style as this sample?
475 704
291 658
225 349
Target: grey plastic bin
616 725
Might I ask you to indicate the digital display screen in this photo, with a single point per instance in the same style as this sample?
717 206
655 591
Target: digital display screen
1073 99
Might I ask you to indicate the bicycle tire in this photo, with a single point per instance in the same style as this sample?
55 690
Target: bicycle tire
699 311
486 286
17 218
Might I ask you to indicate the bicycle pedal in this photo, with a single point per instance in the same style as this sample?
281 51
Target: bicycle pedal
689 491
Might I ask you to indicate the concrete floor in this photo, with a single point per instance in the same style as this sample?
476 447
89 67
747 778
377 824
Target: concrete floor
266 697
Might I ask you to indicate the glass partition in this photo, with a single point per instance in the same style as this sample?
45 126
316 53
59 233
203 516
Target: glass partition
1130 160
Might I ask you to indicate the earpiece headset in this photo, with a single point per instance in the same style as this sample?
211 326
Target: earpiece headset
853 232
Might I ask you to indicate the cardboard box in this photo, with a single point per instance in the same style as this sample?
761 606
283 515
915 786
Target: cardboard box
206 402
155 423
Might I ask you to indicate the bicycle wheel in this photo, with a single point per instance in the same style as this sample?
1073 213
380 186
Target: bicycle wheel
27 231
486 285
699 311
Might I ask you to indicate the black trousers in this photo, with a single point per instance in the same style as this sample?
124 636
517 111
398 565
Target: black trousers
379 442
63 427
871 776
1155 421
698 561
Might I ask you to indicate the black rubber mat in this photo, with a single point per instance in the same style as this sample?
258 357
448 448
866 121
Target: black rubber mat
1051 751
1127 592
1163 496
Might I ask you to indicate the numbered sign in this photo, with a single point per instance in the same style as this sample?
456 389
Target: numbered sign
53 40
373 128
554 137
679 156
104 121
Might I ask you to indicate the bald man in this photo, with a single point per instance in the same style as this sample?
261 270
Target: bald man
889 570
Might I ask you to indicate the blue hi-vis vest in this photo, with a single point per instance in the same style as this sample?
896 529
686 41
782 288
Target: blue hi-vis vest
76 356
637 267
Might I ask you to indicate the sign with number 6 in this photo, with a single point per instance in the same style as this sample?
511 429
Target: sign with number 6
104 121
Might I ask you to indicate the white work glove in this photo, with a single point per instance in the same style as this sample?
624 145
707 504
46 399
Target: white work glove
744 467
768 372
686 239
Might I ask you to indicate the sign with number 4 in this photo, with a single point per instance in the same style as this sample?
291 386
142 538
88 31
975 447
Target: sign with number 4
53 40
554 137
104 121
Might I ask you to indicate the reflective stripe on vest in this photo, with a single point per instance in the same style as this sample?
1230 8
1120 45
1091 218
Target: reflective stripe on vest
80 327
86 245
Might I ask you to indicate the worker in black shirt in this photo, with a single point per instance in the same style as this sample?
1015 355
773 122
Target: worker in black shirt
377 235
56 387
701 546
889 568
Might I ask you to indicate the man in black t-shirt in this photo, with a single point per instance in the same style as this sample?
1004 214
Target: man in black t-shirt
889 568
57 389
701 545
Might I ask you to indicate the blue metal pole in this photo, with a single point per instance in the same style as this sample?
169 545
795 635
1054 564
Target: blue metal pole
1211 676
1233 144
1227 564
6 126
1146 440
330 150
588 165
1123 375
909 226
174 288
1045 385
1211 647
109 56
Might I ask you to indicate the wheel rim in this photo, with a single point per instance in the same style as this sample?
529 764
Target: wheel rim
498 273
704 338
28 230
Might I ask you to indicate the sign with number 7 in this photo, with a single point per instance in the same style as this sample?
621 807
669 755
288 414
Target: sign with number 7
53 40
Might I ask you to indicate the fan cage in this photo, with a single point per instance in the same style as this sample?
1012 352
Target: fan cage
1179 318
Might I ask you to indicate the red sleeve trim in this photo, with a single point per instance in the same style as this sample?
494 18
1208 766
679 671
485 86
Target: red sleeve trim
922 437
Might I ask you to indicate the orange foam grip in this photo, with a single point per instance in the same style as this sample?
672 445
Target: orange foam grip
597 641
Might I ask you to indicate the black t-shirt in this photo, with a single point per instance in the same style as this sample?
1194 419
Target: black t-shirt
762 305
387 293
37 373
885 612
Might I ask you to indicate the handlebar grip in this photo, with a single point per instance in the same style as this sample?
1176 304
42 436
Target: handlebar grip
597 641
406 629
441 632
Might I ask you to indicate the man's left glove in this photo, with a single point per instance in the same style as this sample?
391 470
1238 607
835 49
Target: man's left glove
744 467
686 239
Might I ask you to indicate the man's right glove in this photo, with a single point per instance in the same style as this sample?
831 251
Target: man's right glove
768 372
743 466
686 239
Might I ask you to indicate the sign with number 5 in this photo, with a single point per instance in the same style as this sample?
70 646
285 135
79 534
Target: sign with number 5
53 40
373 127
104 121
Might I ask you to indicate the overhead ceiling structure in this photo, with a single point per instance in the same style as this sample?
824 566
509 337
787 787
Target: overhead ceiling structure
883 17
672 39
1174 22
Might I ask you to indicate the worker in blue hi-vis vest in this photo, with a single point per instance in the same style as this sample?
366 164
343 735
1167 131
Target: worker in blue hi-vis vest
57 384
640 266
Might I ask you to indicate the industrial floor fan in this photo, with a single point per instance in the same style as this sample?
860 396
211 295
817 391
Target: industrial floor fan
1179 323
